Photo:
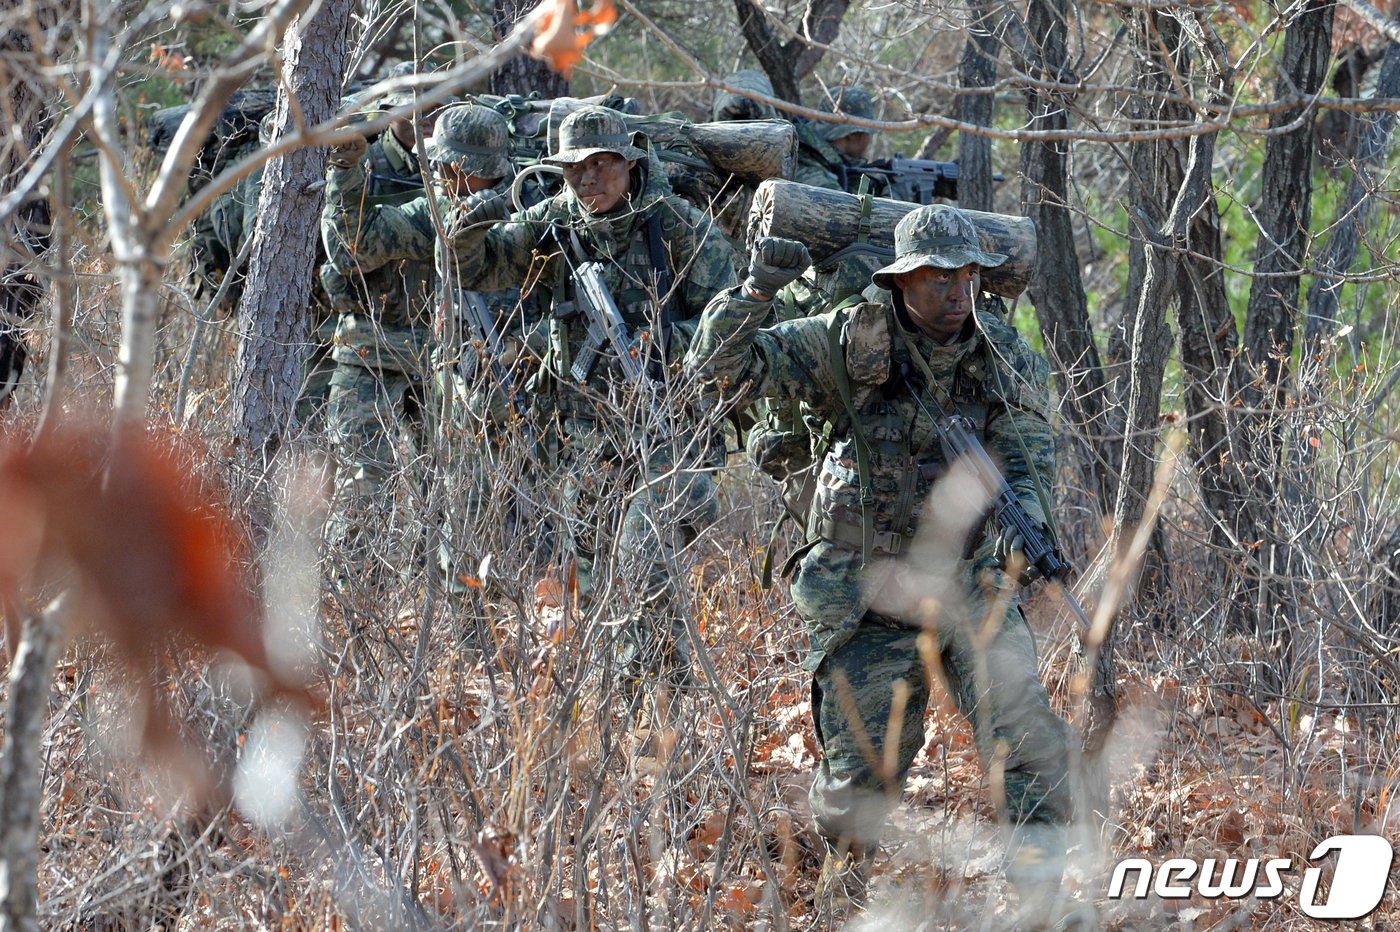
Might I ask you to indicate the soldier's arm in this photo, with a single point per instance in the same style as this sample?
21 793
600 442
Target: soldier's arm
1018 427
370 236
734 356
501 256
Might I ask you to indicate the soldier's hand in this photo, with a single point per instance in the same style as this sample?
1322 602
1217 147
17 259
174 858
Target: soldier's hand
482 210
1008 549
349 153
775 263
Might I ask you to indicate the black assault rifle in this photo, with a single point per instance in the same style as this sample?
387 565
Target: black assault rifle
605 325
917 181
960 443
481 321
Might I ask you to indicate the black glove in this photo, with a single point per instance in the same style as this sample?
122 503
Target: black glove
1007 550
774 263
482 210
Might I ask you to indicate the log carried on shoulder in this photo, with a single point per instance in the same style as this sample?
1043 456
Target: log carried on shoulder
834 224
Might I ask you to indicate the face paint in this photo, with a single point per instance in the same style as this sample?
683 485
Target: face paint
601 181
940 301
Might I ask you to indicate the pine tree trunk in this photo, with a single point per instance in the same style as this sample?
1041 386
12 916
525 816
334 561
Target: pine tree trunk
978 68
273 317
1057 289
522 74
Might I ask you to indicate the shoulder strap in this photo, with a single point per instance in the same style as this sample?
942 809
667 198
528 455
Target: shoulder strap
665 281
843 389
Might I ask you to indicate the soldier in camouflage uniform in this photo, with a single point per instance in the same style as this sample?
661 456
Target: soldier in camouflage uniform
469 153
860 367
620 445
375 418
220 235
827 151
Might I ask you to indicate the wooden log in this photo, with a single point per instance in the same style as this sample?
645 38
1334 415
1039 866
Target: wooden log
829 222
751 150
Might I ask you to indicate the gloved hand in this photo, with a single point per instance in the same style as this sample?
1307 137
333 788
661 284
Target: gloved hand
482 210
1008 552
349 153
774 263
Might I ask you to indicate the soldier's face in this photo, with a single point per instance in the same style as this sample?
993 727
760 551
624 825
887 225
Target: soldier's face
403 129
939 301
601 181
853 146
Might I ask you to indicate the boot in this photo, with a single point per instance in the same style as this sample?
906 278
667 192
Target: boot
844 881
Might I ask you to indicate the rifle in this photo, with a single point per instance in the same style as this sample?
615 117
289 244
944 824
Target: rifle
605 324
959 442
473 309
917 181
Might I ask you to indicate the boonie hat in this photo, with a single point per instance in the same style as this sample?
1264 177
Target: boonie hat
848 101
592 130
473 138
939 236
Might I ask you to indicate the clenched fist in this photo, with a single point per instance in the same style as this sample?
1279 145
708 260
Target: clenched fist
774 263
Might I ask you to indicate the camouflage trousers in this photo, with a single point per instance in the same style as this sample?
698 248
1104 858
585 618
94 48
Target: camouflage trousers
627 528
989 669
489 472
374 422
315 397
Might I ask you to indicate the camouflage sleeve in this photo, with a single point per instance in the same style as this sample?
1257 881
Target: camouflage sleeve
1018 428
371 236
734 356
710 269
809 171
503 256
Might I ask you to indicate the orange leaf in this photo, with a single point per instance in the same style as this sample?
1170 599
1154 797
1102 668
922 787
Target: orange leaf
565 32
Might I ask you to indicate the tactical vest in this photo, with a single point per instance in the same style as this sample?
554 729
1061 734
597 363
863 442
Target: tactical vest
401 292
883 455
634 279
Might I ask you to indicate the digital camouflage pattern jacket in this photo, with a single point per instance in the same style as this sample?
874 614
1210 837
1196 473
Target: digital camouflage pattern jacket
821 166
537 248
992 375
385 304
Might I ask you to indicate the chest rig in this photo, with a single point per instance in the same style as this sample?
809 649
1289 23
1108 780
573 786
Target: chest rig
401 291
635 276
882 454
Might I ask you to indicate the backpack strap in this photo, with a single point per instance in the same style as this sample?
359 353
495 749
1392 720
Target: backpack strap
837 350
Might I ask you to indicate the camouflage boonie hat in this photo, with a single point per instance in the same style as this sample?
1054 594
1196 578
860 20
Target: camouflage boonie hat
403 95
731 106
592 130
848 101
939 236
473 138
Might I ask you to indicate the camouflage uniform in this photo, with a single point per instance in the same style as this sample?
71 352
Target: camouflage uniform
858 655
375 418
605 435
818 162
477 141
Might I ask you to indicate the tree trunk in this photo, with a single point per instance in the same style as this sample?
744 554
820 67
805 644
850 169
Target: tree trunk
978 68
787 62
522 74
1372 142
21 788
1284 209
273 316
1056 289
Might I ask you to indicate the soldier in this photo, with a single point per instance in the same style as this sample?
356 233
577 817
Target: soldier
661 260
865 367
220 235
469 153
375 418
827 151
